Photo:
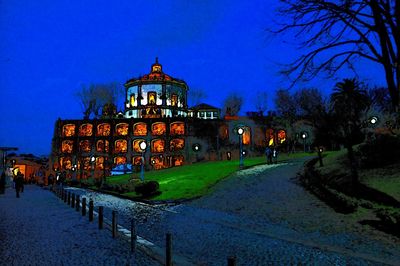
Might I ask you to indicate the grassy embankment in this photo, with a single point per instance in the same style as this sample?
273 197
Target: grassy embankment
191 181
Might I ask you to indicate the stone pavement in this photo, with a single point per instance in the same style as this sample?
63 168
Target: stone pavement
38 229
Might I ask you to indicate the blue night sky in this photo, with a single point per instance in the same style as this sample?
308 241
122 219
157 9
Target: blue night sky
48 49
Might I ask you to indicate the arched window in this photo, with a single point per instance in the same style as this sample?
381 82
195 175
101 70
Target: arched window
68 130
157 145
121 145
67 146
121 129
176 144
85 130
140 129
158 129
103 129
177 128
102 145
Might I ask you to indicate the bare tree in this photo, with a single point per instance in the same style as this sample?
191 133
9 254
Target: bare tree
261 102
232 104
286 106
196 96
95 96
339 32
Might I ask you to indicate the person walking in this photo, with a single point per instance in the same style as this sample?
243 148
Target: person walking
268 153
2 182
19 183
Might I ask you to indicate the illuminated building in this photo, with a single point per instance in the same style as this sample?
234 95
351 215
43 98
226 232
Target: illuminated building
155 111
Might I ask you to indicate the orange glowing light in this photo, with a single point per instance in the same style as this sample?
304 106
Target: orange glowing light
177 128
246 136
67 146
137 160
136 146
102 146
121 145
85 146
281 136
157 145
66 163
174 100
177 160
176 144
157 162
68 130
140 129
119 160
100 163
103 129
158 129
86 130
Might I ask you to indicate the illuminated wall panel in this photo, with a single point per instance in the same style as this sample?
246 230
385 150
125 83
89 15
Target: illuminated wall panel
157 145
68 130
102 146
177 128
140 129
121 145
66 163
122 129
85 146
157 162
177 160
119 160
67 146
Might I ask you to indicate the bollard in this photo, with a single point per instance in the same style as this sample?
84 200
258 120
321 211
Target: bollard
168 252
77 203
65 195
114 224
90 210
69 197
101 217
83 206
133 236
73 201
231 261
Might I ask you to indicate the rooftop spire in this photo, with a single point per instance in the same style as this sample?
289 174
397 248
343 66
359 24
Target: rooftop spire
156 67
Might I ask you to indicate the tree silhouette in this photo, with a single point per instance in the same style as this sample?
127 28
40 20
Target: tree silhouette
340 32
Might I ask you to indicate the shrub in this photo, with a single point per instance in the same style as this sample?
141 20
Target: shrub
148 188
384 149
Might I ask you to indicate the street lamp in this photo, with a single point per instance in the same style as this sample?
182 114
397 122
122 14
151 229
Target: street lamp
304 135
373 120
142 146
240 132
92 160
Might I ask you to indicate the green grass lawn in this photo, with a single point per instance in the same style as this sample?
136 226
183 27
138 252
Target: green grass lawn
190 181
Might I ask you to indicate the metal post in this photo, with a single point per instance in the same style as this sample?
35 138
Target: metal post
91 210
142 168
133 236
73 201
168 251
101 217
83 206
77 203
241 151
69 197
231 261
114 224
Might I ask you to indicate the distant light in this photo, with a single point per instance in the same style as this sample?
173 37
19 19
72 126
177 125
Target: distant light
321 149
153 161
304 135
196 147
373 120
92 159
240 131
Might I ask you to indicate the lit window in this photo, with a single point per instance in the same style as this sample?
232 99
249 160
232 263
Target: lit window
177 128
157 145
122 129
102 146
119 160
158 129
281 136
86 130
157 162
85 146
121 146
208 114
67 146
66 163
140 129
136 146
177 160
174 100
246 136
103 129
269 136
176 144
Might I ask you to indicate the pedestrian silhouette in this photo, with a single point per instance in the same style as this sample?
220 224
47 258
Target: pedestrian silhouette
19 183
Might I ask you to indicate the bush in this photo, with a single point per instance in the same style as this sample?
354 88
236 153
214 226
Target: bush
379 152
148 188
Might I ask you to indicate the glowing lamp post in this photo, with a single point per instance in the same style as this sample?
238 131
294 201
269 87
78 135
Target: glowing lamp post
304 135
92 160
240 132
142 146
373 120
74 169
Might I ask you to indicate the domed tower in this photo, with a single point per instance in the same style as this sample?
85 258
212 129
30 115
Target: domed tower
156 95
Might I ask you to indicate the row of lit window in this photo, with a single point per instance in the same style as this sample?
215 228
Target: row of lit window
121 145
122 129
158 162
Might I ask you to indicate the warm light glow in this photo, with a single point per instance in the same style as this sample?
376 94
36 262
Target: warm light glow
281 136
174 99
151 98
177 160
102 146
85 146
157 162
68 130
246 136
269 135
140 129
119 160
86 130
67 146
132 99
100 163
136 146
158 129
177 128
103 129
66 163
122 129
121 145
137 160
176 144
157 145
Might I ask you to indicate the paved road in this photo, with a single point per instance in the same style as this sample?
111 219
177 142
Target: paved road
38 229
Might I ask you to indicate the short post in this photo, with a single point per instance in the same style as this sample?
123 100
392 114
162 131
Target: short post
73 201
133 236
83 206
321 163
77 203
91 210
114 224
69 198
168 252
101 208
231 261
65 195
